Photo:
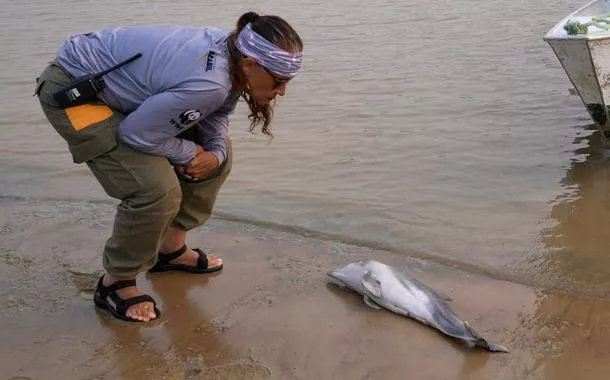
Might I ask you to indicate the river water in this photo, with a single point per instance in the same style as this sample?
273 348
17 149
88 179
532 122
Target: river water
444 130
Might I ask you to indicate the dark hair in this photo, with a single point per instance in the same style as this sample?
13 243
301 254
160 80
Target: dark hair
275 30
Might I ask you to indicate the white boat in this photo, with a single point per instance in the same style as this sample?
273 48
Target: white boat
581 42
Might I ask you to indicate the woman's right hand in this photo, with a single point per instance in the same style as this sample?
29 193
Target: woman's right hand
198 150
202 165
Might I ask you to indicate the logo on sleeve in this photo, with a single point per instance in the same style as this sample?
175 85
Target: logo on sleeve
210 61
185 119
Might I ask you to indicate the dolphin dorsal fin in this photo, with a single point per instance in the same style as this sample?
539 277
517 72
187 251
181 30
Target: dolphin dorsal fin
406 279
439 295
372 284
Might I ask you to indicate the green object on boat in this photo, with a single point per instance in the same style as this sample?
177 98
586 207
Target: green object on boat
575 27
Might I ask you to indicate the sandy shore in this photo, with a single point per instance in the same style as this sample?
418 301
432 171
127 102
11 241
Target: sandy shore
271 314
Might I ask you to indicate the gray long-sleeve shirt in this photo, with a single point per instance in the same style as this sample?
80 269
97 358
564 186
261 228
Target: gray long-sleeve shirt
181 81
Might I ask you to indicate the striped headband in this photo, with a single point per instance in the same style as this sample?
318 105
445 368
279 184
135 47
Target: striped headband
278 61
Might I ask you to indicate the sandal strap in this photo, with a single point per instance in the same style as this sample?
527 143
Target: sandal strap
104 290
202 260
165 258
123 304
119 285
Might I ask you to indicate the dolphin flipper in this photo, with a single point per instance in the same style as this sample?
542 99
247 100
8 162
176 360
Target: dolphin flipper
372 284
371 303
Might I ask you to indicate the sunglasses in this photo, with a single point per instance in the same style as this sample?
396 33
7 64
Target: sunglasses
278 81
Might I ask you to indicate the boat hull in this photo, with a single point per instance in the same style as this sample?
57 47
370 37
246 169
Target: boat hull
586 60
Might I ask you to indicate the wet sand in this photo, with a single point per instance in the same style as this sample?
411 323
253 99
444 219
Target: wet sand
271 313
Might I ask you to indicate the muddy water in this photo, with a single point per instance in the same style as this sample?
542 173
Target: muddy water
270 315
445 129
439 130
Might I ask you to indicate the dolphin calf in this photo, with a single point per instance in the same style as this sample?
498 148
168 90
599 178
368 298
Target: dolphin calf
385 286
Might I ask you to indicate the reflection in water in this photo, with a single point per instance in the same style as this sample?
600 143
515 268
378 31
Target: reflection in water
189 328
195 349
135 358
473 365
576 255
566 337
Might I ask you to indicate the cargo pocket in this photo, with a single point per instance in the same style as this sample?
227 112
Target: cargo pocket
90 130
94 130
86 115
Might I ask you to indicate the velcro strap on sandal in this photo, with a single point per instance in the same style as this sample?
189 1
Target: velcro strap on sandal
119 285
202 260
123 304
166 258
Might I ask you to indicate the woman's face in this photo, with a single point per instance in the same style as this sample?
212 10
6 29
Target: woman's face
264 86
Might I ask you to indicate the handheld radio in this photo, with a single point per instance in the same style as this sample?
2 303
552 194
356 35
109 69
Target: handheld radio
85 88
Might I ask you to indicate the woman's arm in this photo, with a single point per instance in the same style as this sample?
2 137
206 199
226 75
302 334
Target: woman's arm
153 126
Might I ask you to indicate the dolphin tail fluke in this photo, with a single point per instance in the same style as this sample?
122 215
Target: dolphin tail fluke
495 347
484 344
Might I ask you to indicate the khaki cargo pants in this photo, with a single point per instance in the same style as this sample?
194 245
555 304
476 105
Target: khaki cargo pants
152 197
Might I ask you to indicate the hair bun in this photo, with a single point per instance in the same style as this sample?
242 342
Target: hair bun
246 18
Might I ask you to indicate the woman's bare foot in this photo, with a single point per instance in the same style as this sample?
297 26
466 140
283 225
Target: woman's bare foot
143 311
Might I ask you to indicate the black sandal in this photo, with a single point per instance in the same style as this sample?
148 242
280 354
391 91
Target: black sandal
102 293
163 263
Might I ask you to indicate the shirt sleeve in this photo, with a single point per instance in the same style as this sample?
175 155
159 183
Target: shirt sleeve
214 129
154 125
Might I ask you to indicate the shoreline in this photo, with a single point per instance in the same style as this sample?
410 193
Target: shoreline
270 314
460 265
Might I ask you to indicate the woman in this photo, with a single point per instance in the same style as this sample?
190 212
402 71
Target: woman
154 133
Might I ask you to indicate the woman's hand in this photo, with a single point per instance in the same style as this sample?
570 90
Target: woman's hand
202 165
